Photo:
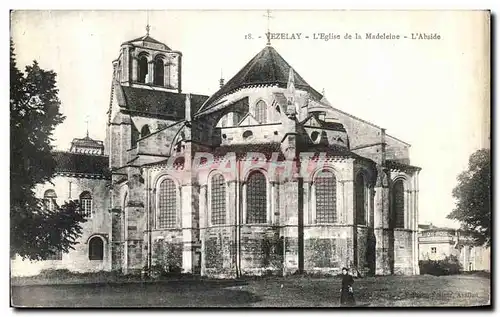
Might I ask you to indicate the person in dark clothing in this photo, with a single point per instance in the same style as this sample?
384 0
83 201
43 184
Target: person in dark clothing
347 294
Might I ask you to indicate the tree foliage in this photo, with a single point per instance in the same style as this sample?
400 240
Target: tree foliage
36 232
473 195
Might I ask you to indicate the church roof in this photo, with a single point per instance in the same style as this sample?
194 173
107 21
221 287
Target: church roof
241 150
87 142
330 125
147 38
268 67
79 163
159 103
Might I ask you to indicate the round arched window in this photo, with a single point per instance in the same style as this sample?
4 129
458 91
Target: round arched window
315 136
247 134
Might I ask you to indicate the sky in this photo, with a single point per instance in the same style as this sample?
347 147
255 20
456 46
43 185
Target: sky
432 94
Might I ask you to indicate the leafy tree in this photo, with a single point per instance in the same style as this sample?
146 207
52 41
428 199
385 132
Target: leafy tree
473 209
36 232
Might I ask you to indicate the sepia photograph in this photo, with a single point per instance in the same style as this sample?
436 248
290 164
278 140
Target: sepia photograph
250 158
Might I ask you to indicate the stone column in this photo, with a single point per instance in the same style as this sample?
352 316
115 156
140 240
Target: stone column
307 202
345 215
272 203
381 223
231 221
166 73
135 66
415 217
150 77
203 224
291 223
188 193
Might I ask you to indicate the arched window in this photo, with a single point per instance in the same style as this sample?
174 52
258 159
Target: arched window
326 197
49 199
167 204
86 203
159 72
261 112
119 71
256 198
96 249
398 205
359 189
142 72
145 131
218 200
223 121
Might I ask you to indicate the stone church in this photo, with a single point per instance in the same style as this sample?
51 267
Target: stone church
264 176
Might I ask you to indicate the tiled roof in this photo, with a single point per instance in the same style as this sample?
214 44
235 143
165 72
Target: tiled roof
398 165
337 126
160 103
241 150
78 163
147 38
266 68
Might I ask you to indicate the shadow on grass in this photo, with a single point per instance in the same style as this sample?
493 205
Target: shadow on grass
186 293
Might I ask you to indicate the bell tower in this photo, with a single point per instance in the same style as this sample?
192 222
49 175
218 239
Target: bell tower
147 63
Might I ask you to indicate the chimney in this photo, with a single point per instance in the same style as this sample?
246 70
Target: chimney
221 80
188 107
383 145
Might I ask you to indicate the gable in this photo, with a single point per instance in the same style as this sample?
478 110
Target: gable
248 120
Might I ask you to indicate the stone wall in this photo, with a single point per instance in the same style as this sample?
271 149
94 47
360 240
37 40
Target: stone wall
98 224
261 250
403 248
327 248
219 251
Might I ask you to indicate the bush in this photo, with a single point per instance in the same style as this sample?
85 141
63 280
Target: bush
448 266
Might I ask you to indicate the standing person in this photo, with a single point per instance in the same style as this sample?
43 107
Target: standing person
347 294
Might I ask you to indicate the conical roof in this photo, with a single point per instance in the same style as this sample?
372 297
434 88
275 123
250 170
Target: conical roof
147 38
268 67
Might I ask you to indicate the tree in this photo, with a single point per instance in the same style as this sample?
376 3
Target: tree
36 232
473 208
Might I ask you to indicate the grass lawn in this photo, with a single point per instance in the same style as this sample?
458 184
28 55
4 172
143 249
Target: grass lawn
296 291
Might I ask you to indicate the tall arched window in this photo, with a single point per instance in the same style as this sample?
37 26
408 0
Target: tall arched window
159 72
326 197
261 112
167 204
145 131
49 199
359 188
86 203
218 200
256 198
142 72
398 205
96 249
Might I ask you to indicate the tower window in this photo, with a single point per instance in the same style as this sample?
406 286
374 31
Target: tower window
261 112
159 72
142 72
